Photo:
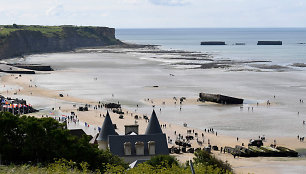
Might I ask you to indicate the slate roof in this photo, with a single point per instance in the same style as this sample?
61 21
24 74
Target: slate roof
153 126
107 129
116 143
78 133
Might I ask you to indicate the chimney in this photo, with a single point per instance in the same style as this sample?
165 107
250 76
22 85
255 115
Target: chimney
131 128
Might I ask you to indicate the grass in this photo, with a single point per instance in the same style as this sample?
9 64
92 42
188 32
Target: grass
49 31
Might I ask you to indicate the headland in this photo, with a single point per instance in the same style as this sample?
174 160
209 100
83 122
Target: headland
19 40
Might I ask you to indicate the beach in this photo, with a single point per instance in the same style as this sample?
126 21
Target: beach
132 77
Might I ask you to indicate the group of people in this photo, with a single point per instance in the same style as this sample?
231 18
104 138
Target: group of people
301 139
163 125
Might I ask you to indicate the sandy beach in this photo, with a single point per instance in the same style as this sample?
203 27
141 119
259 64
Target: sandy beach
117 81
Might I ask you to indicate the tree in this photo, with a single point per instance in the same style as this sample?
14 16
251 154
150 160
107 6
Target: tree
28 139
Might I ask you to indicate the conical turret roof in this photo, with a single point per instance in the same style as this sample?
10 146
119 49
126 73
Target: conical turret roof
153 126
107 129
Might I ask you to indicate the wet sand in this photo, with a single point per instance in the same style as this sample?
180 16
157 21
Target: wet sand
286 86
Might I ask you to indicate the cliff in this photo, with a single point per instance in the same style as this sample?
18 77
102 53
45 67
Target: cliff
19 40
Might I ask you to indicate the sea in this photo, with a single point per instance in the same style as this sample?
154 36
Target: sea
293 49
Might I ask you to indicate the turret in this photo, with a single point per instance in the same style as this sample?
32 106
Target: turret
106 130
153 126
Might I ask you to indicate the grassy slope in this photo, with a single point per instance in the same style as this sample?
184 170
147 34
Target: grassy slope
49 31
5 30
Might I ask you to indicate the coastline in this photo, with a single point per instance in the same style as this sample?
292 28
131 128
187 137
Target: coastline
241 165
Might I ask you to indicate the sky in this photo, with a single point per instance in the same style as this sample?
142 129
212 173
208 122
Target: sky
156 13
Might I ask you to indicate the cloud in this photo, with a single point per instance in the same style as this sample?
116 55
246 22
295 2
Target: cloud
56 10
156 13
169 2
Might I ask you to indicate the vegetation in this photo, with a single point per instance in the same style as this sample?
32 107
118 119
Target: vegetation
163 161
165 164
29 140
60 167
63 167
203 157
30 145
48 31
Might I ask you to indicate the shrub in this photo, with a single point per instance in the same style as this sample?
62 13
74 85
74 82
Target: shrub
203 157
163 161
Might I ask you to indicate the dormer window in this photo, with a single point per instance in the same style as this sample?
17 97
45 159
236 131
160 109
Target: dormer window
151 146
139 147
127 148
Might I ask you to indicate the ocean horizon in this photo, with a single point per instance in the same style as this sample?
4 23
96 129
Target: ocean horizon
188 39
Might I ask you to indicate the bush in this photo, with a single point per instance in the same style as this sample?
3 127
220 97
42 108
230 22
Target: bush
203 157
163 161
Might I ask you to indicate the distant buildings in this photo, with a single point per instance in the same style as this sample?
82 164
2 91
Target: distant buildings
15 106
131 146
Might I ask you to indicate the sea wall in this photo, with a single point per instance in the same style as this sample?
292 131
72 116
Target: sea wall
21 42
